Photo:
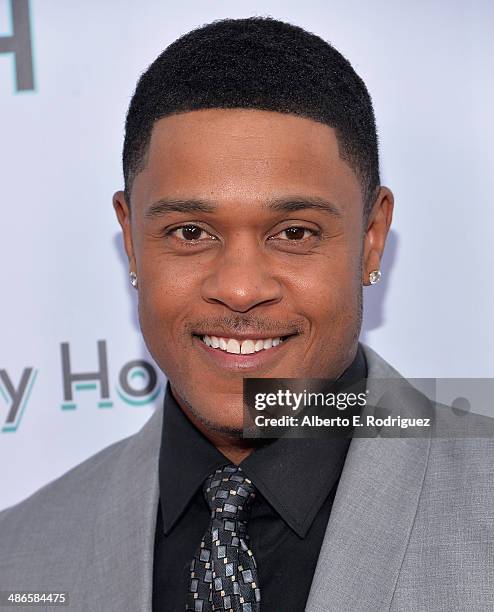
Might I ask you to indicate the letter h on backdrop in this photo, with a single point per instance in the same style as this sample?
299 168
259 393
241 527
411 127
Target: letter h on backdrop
19 44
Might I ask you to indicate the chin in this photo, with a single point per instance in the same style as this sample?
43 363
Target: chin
233 426
212 421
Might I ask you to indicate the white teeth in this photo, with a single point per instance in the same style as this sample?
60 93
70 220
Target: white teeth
247 347
259 345
215 342
233 346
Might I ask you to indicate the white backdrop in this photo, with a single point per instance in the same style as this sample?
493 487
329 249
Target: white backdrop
428 66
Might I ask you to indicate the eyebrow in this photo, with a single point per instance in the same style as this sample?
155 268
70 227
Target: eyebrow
291 204
165 206
285 204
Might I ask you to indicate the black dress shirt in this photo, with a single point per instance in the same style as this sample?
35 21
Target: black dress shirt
288 516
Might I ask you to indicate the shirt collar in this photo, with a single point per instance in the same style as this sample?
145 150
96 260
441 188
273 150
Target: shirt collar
279 468
187 457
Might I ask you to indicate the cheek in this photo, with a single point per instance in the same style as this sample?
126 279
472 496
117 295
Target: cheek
330 300
162 311
166 295
327 290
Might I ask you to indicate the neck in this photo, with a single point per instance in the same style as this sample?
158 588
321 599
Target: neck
233 449
232 446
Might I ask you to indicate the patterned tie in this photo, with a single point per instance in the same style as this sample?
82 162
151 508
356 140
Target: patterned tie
224 571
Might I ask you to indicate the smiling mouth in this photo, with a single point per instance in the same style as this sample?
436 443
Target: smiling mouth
237 346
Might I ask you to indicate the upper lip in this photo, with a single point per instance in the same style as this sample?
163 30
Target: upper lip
245 336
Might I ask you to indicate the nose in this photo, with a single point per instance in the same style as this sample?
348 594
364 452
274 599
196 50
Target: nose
240 278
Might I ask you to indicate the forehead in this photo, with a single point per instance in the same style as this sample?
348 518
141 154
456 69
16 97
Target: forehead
232 153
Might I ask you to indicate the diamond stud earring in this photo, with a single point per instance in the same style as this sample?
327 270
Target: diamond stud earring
374 277
133 279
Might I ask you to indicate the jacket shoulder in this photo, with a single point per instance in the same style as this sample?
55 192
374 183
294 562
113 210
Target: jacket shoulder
58 507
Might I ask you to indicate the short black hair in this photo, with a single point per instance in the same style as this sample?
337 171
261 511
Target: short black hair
257 63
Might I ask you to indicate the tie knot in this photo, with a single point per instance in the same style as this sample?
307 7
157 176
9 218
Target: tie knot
229 493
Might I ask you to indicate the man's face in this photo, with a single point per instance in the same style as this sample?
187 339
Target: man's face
248 227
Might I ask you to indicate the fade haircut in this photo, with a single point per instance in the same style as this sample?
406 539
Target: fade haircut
257 63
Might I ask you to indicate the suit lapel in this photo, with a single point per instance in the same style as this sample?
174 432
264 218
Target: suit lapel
372 516
124 526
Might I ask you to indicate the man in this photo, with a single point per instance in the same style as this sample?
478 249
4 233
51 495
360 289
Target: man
252 216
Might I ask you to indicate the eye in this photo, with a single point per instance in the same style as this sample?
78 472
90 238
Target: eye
296 233
189 233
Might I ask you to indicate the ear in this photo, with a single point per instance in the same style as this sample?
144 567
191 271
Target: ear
123 215
378 223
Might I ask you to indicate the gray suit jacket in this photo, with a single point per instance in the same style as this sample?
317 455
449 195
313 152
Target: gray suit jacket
411 529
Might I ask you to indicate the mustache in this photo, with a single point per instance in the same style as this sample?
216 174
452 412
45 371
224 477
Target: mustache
246 323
